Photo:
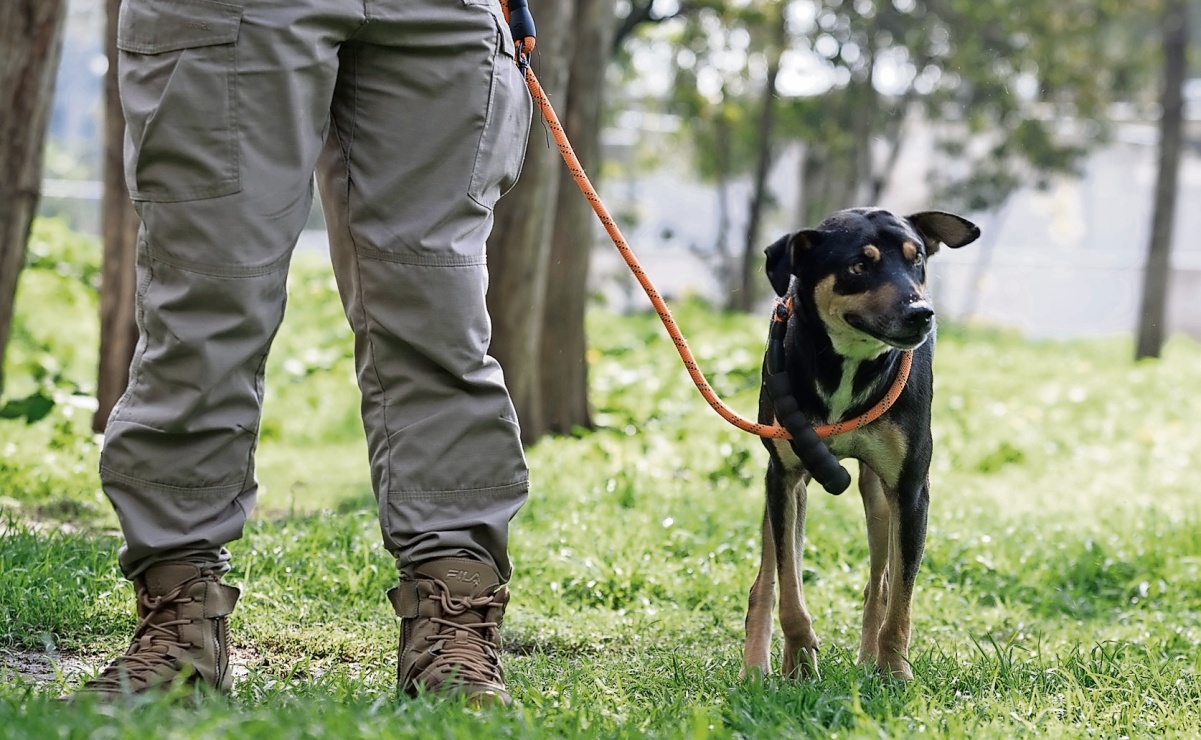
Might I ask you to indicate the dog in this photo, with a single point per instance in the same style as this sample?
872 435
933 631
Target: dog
856 285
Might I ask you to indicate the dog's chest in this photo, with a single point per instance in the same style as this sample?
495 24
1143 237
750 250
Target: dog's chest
881 445
844 395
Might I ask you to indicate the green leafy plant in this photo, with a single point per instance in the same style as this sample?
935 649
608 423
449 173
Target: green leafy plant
33 407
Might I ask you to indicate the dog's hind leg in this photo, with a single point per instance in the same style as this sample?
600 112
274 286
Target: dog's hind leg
875 594
756 653
907 542
800 642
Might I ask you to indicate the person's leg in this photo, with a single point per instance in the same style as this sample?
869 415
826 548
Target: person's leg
227 105
430 119
429 126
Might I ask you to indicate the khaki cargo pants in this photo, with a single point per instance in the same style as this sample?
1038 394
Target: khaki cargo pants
414 116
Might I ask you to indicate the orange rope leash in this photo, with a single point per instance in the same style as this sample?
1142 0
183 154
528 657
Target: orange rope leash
669 323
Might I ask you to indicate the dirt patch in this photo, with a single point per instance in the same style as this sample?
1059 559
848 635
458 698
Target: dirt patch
41 668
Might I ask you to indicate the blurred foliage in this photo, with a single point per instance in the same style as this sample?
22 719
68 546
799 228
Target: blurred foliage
1034 84
55 247
1016 91
52 354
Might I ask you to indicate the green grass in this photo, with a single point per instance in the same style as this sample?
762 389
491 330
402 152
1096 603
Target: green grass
1059 596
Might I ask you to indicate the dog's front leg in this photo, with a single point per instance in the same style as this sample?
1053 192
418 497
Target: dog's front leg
800 641
906 545
875 594
756 653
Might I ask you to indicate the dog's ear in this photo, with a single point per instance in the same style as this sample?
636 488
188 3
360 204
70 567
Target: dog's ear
782 257
939 226
779 264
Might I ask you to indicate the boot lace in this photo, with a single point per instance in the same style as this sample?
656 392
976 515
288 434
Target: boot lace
467 648
155 645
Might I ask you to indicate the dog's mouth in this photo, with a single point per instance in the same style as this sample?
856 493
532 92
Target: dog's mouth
899 334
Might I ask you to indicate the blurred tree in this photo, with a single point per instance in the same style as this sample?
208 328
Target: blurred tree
542 241
1152 317
776 19
639 12
1014 91
564 348
30 44
118 329
1028 87
1017 91
519 248
725 62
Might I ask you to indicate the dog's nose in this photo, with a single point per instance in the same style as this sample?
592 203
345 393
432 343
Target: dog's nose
919 315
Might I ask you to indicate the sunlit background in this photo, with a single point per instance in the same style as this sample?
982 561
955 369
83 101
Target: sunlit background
1061 256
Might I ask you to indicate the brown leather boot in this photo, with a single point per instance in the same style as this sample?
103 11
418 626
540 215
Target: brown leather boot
450 631
181 632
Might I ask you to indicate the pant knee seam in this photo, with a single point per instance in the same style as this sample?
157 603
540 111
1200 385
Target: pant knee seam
518 485
120 477
232 271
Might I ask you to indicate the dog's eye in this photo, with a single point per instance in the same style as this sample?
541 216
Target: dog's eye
918 260
858 267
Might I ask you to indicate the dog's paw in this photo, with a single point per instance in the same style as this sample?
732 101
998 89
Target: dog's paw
801 663
895 666
867 654
754 672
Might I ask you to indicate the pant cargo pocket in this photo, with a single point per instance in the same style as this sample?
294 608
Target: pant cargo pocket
178 81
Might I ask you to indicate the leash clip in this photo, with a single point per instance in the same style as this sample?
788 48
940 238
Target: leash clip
523 58
525 33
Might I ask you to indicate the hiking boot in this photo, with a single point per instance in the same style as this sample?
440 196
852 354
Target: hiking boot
450 631
181 634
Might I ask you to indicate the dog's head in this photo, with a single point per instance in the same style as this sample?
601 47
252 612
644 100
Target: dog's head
863 272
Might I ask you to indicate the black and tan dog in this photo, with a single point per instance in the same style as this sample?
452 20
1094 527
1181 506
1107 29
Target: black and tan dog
856 285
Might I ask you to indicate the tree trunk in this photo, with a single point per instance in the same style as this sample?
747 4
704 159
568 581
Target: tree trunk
118 329
1152 316
723 260
866 103
809 197
894 139
30 42
827 174
564 340
519 248
744 298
